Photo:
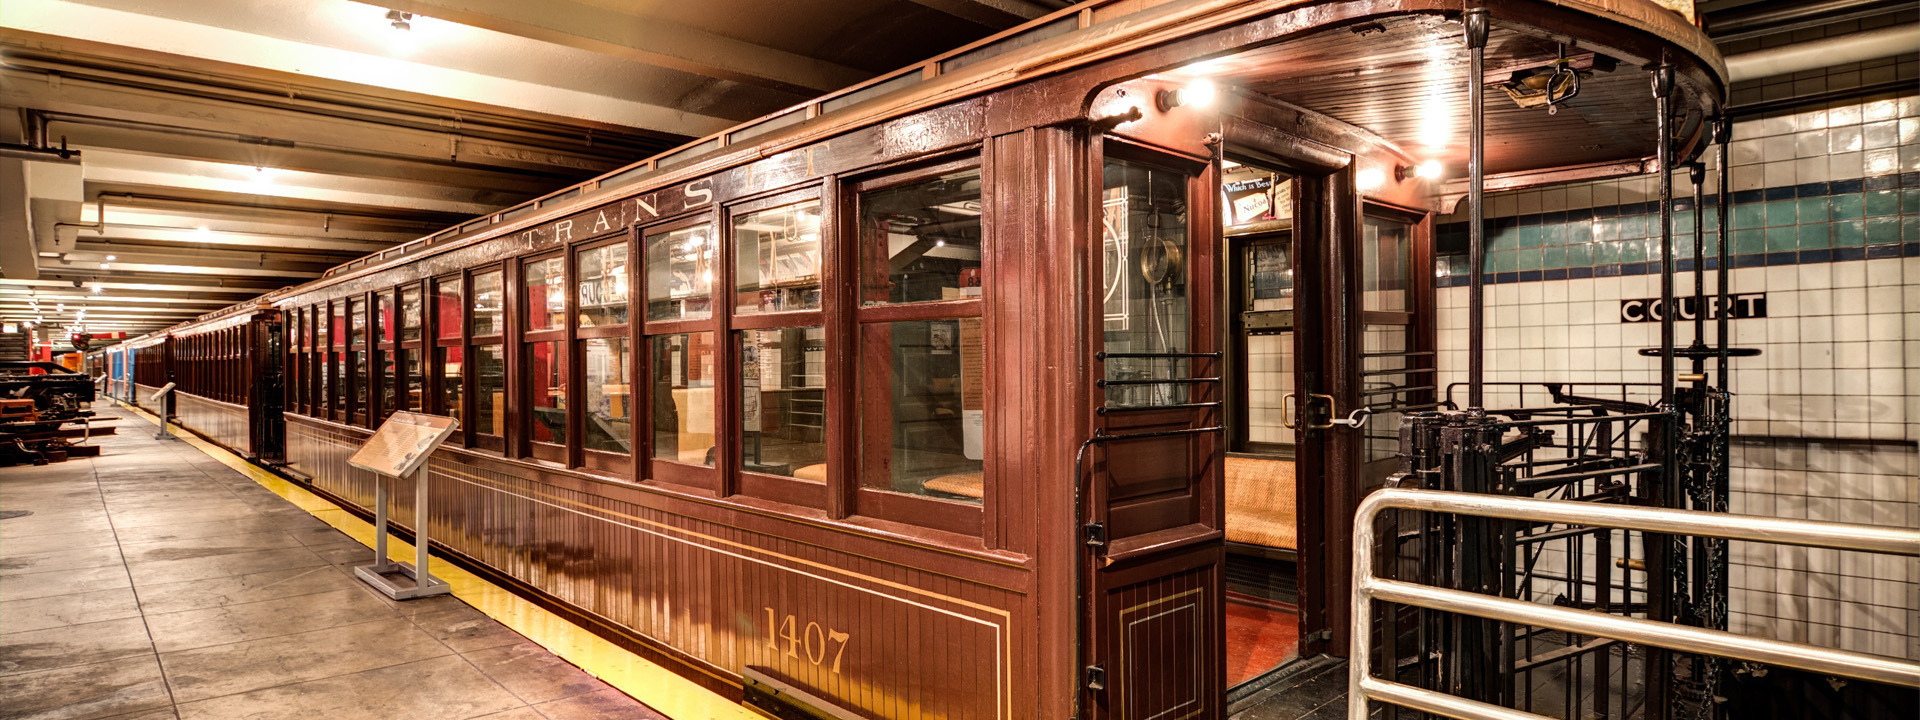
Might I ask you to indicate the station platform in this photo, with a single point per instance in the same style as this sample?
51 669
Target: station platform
164 580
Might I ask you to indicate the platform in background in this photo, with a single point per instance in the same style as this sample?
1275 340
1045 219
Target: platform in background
156 582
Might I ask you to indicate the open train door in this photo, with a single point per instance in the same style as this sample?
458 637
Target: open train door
1154 586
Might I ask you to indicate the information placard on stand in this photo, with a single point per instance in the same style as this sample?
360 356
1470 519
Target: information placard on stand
163 399
398 449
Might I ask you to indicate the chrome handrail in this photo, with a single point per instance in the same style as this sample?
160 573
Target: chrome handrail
1363 686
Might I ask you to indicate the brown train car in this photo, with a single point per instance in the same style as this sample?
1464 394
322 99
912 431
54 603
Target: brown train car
929 398
225 369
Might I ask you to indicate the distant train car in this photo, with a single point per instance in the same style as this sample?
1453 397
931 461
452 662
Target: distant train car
225 368
955 394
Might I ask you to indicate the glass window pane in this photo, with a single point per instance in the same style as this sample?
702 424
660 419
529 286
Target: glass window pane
489 304
608 393
1144 279
324 380
357 321
447 307
360 381
777 259
683 398
451 365
490 389
546 299
927 436
410 361
680 274
383 316
390 383
410 308
921 241
603 285
1386 265
339 323
547 387
1269 276
783 402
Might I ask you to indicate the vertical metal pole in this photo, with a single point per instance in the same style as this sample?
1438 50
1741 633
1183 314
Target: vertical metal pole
1663 107
1697 173
1659 547
1725 197
420 574
380 483
1475 21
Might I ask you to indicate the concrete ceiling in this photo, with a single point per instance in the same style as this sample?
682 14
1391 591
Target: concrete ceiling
236 146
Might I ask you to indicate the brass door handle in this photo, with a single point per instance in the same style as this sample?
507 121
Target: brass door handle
1356 419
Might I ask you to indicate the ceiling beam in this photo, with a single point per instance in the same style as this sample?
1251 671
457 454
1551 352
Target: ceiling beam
217 239
645 40
83 133
106 166
71 95
208 42
996 14
236 288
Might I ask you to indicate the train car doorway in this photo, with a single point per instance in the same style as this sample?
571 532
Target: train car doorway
1328 342
1262 530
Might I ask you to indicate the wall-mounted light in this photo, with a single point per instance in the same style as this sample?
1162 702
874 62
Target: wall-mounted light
111 258
1429 170
400 20
1196 94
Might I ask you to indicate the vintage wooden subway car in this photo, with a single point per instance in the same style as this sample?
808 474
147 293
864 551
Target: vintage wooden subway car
953 394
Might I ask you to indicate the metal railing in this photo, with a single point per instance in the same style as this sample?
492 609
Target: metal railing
1363 686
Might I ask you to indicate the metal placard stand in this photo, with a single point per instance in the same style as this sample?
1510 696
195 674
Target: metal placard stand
400 448
163 398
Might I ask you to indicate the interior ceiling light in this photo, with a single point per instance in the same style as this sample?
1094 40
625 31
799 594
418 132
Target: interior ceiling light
400 20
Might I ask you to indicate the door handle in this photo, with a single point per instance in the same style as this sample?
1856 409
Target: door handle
1356 419
1286 411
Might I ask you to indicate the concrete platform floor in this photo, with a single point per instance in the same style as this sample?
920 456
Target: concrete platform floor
154 582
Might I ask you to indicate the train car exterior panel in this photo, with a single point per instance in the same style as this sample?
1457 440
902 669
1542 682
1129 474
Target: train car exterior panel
881 637
225 424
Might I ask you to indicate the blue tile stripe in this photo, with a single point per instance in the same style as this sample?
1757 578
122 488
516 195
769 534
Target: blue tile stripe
1869 218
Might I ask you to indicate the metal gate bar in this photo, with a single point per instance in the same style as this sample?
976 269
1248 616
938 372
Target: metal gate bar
1363 686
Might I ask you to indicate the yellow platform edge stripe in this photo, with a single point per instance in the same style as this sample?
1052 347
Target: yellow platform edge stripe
658 687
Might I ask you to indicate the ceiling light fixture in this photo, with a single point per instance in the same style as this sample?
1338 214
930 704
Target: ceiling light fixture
400 20
1429 170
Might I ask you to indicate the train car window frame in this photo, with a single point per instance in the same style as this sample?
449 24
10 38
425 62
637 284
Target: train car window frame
359 360
557 336
870 444
496 343
336 360
620 403
732 417
681 335
412 365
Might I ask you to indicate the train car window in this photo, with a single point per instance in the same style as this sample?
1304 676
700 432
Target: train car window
359 382
683 390
449 310
295 375
920 241
680 273
545 302
1144 280
489 389
489 305
388 356
547 388
336 395
921 400
410 312
383 317
777 259
783 403
605 350
922 411
602 285
606 389
1387 264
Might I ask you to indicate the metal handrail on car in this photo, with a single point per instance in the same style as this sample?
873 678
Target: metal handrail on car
1363 686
